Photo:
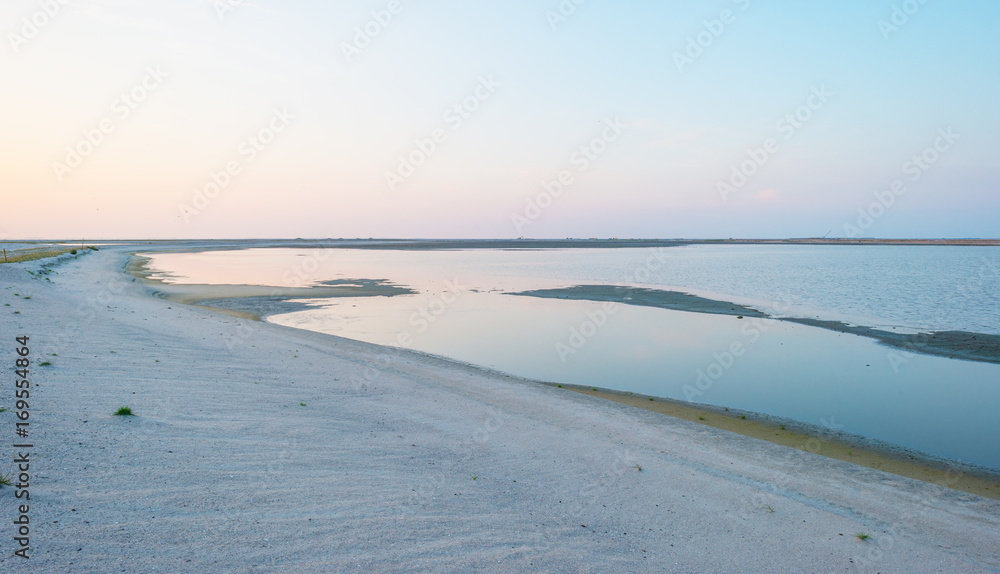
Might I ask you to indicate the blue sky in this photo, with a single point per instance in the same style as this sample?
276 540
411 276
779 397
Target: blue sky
335 169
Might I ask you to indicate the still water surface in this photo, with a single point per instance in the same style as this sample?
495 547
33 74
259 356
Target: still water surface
940 406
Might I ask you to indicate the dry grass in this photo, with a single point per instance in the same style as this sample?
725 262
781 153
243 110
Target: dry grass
31 254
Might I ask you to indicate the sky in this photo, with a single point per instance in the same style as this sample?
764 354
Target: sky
456 118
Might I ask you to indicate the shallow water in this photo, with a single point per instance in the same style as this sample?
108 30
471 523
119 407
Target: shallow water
912 287
940 406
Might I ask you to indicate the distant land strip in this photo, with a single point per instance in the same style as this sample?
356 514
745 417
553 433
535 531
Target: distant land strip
979 347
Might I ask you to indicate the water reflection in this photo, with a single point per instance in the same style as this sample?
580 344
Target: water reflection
940 406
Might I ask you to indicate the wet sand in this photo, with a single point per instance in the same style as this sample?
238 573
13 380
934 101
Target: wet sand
981 347
810 438
258 301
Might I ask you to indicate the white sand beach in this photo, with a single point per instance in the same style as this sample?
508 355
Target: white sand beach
259 448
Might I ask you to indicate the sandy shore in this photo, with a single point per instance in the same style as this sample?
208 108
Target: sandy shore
852 448
260 448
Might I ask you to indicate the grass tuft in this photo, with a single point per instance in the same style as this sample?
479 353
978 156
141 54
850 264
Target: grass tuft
124 412
637 467
5 480
862 536
44 364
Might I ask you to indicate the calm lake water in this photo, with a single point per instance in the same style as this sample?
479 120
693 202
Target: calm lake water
940 406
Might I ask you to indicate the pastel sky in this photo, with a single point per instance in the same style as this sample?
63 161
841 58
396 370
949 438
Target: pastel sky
260 118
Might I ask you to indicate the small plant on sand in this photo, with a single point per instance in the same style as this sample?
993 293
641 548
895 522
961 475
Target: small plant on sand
650 398
124 412
743 416
862 536
475 477
72 251
44 364
560 386
782 427
769 508
637 467
5 480
302 404
701 418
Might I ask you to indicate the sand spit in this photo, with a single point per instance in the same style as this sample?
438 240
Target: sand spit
642 297
259 448
257 301
980 347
